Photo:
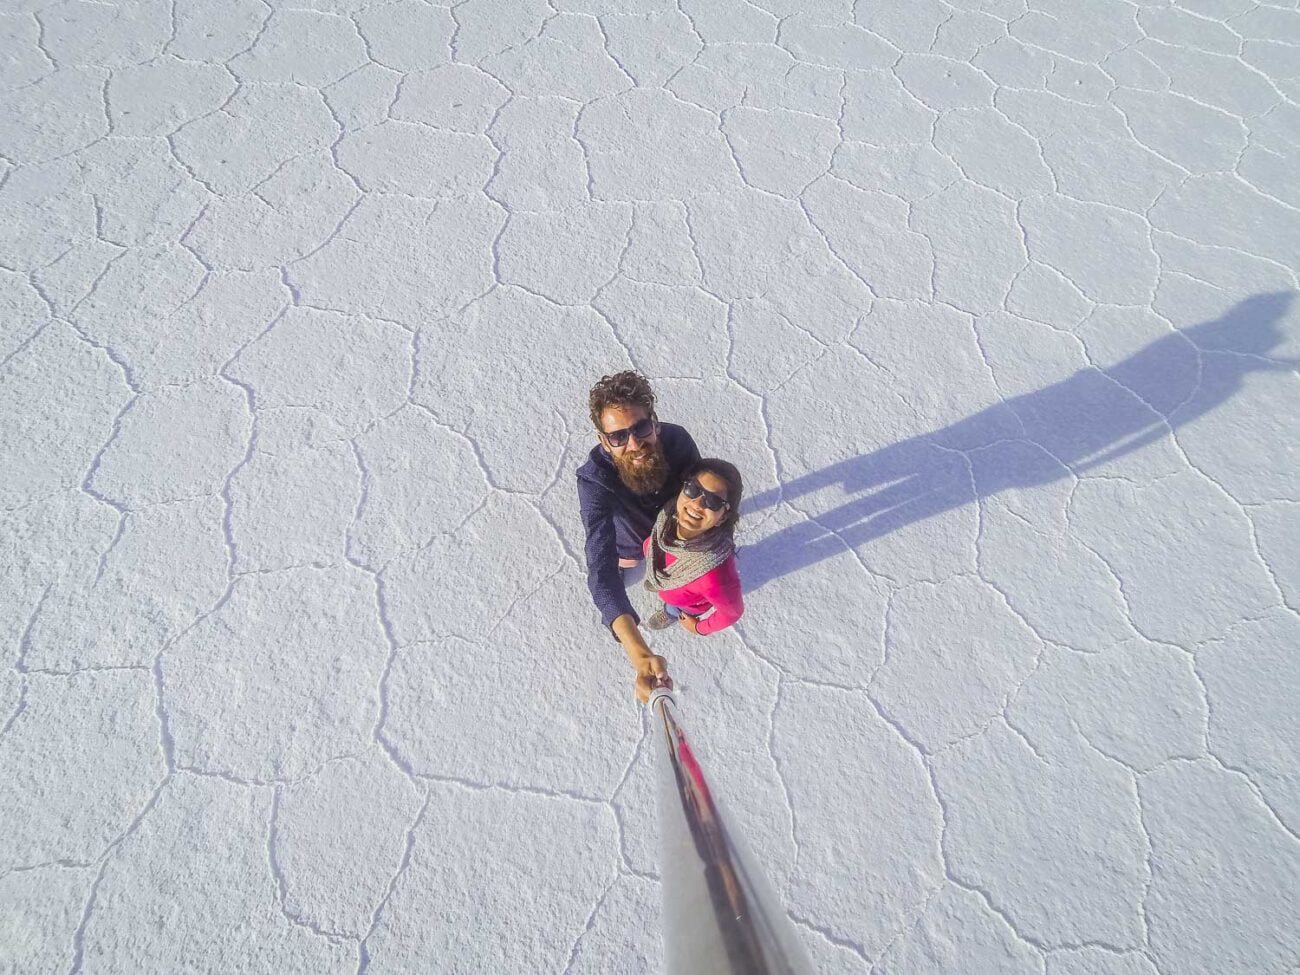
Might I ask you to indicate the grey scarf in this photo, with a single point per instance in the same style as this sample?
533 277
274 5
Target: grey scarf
692 561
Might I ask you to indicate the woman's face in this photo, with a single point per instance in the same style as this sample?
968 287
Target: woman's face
693 514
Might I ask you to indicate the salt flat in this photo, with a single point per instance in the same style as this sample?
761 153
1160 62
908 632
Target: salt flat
994 304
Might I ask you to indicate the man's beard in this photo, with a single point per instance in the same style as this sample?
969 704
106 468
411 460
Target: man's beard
647 477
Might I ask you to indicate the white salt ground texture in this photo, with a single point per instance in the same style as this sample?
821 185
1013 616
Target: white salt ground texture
994 304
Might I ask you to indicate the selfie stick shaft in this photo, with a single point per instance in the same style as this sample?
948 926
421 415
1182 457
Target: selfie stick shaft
720 915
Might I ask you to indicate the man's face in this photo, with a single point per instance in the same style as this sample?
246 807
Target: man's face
640 462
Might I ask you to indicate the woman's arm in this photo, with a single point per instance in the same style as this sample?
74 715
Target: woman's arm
722 589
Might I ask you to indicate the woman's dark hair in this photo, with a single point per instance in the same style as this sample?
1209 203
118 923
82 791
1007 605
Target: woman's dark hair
735 491
624 389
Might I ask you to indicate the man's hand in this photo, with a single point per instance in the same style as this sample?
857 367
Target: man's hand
691 623
651 672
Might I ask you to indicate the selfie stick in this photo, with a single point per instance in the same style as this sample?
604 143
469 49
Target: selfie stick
720 915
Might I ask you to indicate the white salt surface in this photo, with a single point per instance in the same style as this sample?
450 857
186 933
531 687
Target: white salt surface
994 304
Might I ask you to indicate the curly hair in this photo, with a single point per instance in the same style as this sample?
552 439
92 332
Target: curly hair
627 388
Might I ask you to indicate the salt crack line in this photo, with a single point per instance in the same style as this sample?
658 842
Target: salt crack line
781 780
589 924
79 936
282 882
363 947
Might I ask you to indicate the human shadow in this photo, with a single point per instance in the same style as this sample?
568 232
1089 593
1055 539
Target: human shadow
1076 425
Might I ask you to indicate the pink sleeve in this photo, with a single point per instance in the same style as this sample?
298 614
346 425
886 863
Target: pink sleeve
722 589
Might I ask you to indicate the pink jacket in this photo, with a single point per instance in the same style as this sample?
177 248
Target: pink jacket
718 590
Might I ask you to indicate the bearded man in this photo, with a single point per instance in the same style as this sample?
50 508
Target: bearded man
634 468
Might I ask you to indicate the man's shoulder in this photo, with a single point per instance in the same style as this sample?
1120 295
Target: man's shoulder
677 442
595 470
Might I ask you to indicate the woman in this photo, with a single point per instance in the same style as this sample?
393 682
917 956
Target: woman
691 551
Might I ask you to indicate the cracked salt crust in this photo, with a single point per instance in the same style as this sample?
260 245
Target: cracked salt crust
993 303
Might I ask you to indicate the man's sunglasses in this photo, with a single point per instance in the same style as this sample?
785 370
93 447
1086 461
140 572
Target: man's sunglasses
693 490
641 429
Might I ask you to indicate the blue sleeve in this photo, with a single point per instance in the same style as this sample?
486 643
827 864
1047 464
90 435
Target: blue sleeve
604 578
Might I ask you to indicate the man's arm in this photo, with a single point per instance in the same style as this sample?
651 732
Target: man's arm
639 654
603 577
607 590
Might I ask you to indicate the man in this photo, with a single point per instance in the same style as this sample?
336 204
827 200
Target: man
634 468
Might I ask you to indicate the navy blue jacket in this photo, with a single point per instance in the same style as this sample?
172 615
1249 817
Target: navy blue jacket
618 522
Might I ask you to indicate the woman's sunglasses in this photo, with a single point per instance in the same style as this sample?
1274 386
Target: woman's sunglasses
693 490
641 429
